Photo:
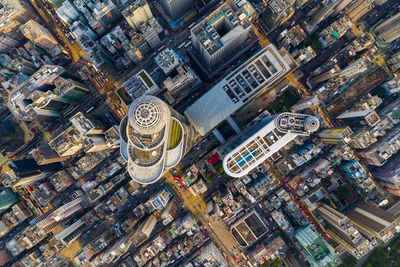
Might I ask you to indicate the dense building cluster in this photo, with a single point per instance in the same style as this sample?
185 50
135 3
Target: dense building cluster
199 133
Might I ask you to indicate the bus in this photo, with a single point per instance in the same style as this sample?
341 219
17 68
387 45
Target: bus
191 25
89 109
189 43
161 48
181 45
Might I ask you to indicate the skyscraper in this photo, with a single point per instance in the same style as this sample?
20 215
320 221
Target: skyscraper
154 138
39 35
7 42
7 198
344 233
136 13
48 91
13 13
388 30
176 8
67 12
105 12
266 137
179 75
388 175
378 153
218 35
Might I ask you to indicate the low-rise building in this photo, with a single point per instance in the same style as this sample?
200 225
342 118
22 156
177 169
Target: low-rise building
314 248
375 221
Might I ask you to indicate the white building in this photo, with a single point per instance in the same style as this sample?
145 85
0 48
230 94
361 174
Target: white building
40 36
237 89
266 137
67 12
218 35
136 13
138 85
179 76
167 61
176 8
154 138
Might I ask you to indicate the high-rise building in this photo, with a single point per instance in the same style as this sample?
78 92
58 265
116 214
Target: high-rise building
336 135
357 67
136 86
392 111
314 81
344 233
83 135
363 138
112 137
358 8
237 89
218 35
266 137
7 42
378 153
16 65
306 103
67 12
144 231
179 75
105 12
360 117
388 30
13 13
48 91
150 35
154 138
72 232
7 198
211 256
325 9
85 39
176 8
388 175
23 66
161 199
44 154
373 220
86 125
315 249
136 13
40 36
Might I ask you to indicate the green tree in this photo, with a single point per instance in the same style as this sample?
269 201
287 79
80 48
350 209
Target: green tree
349 261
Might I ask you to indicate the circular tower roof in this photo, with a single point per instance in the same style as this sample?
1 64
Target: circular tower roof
311 124
148 114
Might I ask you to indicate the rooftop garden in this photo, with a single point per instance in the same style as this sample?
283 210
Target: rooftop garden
216 169
284 102
124 96
176 134
318 249
123 130
146 79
